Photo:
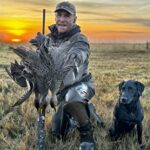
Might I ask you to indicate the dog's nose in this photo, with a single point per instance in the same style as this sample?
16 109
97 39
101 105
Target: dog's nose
124 99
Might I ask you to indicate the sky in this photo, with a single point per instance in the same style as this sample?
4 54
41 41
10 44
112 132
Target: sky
100 20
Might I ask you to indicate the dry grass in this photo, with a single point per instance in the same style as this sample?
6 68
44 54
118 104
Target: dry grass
109 64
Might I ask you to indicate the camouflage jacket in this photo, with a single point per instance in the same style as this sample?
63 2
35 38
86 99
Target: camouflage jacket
68 50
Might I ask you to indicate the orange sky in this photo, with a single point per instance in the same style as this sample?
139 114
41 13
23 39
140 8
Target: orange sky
100 20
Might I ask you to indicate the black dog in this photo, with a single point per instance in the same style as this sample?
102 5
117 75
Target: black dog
128 112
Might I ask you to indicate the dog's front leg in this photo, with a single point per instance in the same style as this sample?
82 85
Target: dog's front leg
139 132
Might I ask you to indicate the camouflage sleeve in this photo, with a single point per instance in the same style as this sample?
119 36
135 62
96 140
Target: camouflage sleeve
76 62
79 53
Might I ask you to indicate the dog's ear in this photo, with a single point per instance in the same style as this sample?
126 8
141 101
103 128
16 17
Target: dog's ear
140 87
121 84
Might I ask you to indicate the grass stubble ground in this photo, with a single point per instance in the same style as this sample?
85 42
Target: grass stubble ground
109 65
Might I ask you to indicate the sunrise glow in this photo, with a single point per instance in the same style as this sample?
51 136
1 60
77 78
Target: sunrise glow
15 27
102 20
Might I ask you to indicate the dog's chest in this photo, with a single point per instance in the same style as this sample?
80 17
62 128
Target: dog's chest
132 114
131 110
136 113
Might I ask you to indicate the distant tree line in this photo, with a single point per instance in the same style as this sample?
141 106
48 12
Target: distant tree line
147 45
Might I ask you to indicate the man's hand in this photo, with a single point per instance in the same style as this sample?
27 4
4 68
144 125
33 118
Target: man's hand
38 40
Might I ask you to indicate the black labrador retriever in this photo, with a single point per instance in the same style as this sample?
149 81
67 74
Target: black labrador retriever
128 112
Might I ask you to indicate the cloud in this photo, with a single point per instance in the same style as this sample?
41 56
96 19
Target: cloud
145 22
34 2
122 31
144 7
99 4
25 9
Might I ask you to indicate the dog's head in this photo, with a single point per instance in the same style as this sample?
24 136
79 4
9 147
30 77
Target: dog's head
130 91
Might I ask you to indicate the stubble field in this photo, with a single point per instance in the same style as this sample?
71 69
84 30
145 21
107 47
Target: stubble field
109 65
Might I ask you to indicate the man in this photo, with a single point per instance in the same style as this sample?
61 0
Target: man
69 47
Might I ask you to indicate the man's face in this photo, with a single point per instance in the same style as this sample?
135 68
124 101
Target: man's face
64 21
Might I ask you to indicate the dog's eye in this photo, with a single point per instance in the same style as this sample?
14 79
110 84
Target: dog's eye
123 88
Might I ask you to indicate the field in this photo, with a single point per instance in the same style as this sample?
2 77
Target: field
109 65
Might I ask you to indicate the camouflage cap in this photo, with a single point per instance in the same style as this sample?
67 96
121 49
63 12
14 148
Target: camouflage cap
67 6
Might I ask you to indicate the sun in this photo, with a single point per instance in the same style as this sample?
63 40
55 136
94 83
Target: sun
15 40
15 31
